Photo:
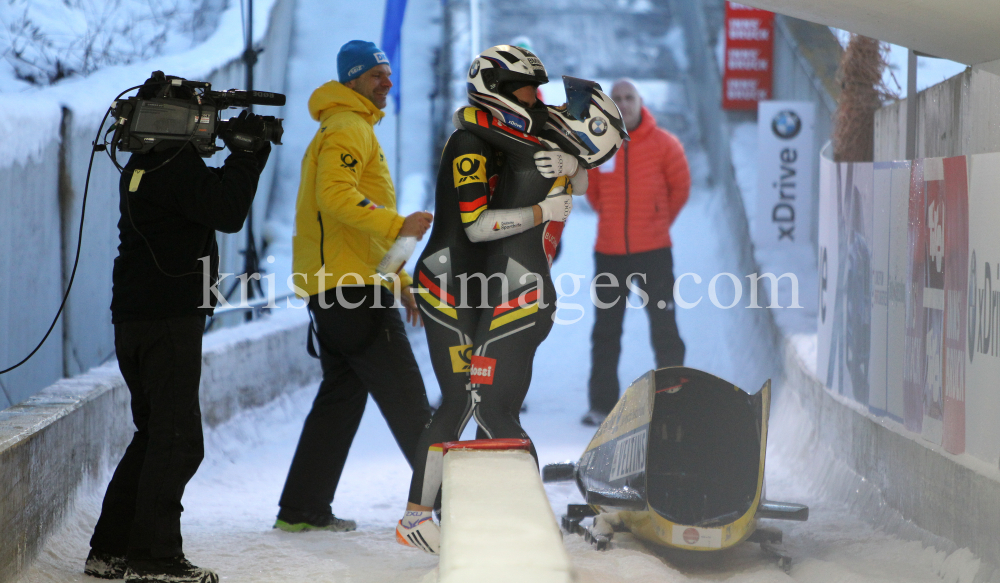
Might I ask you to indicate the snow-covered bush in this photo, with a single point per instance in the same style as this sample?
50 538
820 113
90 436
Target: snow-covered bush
42 41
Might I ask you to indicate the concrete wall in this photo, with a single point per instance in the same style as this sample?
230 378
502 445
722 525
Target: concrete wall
959 116
78 427
43 196
895 479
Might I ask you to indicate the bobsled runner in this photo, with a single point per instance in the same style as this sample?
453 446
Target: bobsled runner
679 462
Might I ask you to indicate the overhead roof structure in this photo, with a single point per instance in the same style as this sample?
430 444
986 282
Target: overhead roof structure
967 31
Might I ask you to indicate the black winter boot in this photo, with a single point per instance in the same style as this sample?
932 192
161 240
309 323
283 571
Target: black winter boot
172 570
104 565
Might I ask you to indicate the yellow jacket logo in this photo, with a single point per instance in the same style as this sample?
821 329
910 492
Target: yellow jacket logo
469 169
348 161
461 358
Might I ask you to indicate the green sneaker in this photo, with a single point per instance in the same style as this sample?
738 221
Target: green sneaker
293 521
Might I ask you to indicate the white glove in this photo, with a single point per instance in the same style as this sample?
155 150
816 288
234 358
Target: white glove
555 163
556 206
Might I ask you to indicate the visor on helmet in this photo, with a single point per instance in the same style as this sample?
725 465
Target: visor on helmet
580 96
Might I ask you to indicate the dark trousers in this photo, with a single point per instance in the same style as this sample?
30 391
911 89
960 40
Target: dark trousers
658 267
363 350
161 363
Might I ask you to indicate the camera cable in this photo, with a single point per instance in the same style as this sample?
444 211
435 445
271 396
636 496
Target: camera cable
79 240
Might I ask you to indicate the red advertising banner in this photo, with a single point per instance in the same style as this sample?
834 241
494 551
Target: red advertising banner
956 289
749 56
932 426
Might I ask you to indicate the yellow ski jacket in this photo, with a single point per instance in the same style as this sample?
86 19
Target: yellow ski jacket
345 214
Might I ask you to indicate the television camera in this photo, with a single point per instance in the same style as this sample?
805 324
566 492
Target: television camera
172 109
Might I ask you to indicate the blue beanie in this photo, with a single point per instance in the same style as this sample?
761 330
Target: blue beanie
356 57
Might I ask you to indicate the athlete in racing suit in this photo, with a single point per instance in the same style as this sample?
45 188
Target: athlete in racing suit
483 279
450 273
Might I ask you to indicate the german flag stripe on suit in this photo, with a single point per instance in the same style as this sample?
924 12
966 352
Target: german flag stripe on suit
439 299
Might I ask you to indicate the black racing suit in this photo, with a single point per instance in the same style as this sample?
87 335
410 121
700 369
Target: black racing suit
521 297
487 183
452 269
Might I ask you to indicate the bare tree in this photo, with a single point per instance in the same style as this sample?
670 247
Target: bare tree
862 93
47 41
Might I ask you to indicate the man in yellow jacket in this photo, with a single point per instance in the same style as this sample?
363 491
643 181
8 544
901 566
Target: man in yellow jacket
345 222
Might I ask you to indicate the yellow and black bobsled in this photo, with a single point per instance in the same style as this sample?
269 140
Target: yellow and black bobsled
680 460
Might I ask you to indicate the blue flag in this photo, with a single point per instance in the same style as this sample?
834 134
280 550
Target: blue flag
392 30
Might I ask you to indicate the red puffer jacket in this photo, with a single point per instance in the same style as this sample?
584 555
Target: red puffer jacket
638 193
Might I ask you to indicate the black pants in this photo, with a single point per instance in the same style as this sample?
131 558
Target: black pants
362 350
507 336
161 363
658 267
449 328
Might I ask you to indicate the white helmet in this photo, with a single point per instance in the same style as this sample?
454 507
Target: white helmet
589 125
493 77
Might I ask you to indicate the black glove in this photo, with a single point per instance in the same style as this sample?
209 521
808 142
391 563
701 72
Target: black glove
244 133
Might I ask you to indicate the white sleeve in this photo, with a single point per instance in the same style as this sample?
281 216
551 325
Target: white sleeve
580 181
500 223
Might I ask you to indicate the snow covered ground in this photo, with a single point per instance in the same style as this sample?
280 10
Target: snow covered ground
231 503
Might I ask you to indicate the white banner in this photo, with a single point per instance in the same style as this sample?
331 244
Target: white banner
899 200
877 372
982 393
786 157
827 264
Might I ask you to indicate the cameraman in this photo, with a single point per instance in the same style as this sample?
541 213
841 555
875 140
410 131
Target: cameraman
171 204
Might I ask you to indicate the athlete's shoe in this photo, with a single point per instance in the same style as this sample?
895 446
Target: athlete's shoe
173 570
593 418
104 565
294 521
421 533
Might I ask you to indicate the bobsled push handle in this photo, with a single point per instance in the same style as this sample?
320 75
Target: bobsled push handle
559 472
783 511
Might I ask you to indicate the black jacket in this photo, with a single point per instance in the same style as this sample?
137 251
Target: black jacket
177 209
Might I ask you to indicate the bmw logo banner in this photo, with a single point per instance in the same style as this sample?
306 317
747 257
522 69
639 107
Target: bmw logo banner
787 157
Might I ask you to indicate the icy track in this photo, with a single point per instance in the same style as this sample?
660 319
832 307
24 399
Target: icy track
231 502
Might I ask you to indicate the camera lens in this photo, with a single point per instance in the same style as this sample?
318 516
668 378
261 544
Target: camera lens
272 129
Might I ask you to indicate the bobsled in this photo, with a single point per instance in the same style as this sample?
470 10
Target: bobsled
679 462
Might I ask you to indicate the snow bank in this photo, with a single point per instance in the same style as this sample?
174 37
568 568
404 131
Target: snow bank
476 547
28 127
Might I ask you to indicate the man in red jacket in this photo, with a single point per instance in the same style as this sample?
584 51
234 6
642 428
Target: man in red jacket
637 195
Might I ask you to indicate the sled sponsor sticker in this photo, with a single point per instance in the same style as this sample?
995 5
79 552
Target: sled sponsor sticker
460 357
630 456
482 369
692 536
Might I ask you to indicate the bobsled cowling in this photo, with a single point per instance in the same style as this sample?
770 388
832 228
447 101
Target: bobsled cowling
681 460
